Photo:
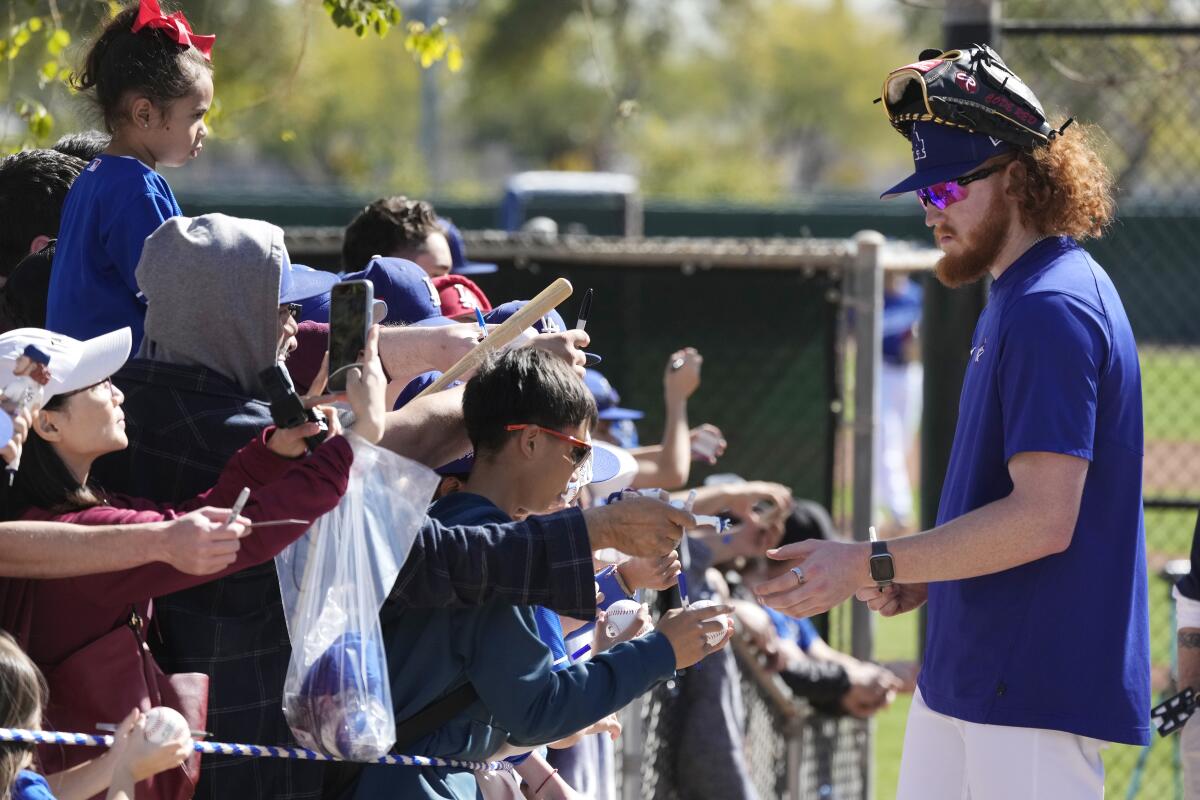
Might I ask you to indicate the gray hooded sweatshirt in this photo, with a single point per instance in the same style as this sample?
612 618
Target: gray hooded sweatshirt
212 289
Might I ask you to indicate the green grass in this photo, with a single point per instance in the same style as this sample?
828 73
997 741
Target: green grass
1169 376
895 640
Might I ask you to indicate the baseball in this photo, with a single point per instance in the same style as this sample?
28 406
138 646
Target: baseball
620 616
712 638
164 725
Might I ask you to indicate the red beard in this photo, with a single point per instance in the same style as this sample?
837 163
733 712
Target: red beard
979 250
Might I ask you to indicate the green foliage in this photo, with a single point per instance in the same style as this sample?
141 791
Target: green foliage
39 43
754 100
364 15
427 44
36 47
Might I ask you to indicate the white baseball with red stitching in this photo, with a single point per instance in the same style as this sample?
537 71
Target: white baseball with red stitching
712 638
620 616
164 725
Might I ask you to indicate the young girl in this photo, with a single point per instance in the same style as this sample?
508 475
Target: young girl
152 81
88 634
131 757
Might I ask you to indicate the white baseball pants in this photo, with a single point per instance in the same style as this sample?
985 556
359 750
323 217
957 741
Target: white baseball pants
949 759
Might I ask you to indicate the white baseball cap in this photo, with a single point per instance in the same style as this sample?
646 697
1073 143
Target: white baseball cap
73 364
615 468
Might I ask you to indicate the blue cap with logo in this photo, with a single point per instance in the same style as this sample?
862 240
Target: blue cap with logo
551 322
942 153
405 287
458 253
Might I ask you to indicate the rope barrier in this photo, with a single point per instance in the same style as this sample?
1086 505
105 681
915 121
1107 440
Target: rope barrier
252 750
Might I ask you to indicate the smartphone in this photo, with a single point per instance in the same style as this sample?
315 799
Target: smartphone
350 305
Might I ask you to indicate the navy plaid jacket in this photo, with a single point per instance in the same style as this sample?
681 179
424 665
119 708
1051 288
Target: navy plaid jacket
184 423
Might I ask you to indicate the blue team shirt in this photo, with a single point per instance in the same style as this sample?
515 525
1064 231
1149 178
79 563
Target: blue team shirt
901 314
1060 643
801 631
114 204
30 786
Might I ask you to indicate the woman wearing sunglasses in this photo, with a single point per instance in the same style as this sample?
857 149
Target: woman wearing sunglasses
88 635
1035 575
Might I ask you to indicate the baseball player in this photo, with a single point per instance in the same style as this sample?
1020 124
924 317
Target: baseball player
1037 649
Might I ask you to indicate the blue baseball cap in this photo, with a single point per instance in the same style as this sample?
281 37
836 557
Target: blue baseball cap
552 322
942 153
298 282
458 253
401 284
341 703
607 398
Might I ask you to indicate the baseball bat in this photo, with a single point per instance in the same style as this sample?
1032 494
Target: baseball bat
509 330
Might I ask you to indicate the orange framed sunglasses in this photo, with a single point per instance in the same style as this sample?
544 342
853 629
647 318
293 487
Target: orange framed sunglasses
579 451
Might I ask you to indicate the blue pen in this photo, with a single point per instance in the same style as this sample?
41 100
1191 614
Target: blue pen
482 323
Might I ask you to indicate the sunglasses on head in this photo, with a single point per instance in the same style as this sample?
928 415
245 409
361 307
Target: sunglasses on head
947 193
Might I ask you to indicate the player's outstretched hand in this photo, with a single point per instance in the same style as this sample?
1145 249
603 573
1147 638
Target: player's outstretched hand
830 573
688 632
895 599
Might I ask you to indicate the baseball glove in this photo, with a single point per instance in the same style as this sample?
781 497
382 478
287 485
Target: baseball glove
972 89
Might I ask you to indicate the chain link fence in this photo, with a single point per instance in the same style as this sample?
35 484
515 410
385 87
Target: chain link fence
791 751
771 318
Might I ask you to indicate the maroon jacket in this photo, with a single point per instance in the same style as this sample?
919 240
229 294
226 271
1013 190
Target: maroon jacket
56 619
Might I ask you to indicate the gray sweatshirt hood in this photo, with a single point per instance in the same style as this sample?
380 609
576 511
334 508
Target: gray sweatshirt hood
212 290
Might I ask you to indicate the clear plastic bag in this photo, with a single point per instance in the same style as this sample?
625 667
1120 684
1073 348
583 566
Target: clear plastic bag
337 697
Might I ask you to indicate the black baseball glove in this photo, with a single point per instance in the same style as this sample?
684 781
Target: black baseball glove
972 89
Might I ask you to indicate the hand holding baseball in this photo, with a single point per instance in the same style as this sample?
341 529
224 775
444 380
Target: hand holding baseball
138 754
689 632
624 620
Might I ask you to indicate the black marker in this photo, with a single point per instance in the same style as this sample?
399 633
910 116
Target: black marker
585 308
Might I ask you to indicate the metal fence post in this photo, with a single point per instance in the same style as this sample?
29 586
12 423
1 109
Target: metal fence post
865 295
866 300
632 744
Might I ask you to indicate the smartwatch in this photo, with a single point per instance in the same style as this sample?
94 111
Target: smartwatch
883 569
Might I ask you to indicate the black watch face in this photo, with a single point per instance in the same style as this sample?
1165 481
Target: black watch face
882 568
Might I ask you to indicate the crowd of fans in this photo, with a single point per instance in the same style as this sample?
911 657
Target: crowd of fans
135 576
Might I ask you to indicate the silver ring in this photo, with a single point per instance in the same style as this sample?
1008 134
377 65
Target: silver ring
799 573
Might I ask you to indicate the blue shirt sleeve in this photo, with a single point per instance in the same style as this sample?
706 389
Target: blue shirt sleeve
31 786
126 232
807 633
1053 351
549 629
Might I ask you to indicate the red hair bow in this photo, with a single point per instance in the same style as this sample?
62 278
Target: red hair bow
150 15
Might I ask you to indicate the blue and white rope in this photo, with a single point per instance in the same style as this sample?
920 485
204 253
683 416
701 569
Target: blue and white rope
254 750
